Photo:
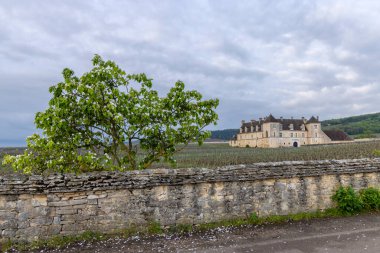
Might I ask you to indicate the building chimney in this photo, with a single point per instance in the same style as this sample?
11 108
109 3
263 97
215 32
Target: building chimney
291 117
281 118
317 118
261 119
242 122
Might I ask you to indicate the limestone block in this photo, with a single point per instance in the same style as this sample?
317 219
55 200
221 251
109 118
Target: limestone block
56 220
161 193
60 203
8 224
7 215
92 202
67 210
372 179
23 224
54 230
78 202
41 220
8 233
53 198
24 216
100 196
39 200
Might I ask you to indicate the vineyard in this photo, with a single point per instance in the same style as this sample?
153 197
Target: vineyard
215 155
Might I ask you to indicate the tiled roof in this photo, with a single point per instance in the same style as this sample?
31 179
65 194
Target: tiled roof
337 135
313 120
270 118
297 123
248 125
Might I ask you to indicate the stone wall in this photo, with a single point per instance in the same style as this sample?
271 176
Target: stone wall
33 207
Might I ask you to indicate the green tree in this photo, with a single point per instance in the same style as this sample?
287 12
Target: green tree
102 120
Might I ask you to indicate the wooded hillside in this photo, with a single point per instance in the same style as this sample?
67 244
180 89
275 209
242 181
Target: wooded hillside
365 125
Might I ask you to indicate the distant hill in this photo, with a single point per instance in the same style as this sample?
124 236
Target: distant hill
366 125
225 134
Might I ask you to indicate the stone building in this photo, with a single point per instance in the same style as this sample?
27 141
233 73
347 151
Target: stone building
273 133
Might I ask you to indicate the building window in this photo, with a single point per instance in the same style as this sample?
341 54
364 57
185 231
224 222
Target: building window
296 135
303 135
291 135
315 126
316 135
280 134
291 127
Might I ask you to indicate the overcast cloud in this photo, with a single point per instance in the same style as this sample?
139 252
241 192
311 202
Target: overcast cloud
289 58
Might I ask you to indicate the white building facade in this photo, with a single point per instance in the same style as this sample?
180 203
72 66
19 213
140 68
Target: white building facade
273 133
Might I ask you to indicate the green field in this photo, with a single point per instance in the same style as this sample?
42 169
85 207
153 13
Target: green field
215 155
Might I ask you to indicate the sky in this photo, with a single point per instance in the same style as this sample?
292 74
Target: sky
289 58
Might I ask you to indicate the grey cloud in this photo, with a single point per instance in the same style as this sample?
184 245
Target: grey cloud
290 58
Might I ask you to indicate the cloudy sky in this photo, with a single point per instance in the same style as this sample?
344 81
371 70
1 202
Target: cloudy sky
289 58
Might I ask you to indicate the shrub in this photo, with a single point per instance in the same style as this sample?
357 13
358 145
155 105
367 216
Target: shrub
370 198
376 153
347 201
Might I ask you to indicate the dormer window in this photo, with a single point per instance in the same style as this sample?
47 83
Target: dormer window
291 127
280 127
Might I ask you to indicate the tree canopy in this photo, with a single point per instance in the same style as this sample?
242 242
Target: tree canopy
109 120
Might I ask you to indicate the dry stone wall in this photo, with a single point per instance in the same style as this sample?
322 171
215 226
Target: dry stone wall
35 207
